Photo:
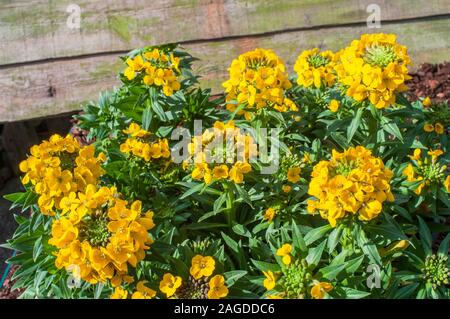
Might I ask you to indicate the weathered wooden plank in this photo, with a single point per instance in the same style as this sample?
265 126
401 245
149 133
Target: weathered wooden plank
37 29
43 89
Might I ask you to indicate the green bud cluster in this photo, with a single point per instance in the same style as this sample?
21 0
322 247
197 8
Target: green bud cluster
286 163
436 270
296 279
67 160
379 55
318 60
200 246
433 172
193 289
95 230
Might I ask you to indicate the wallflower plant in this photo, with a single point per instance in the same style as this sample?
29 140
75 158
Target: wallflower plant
354 205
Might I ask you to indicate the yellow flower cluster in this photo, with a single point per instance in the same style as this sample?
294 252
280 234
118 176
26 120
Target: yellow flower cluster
100 234
140 144
352 182
223 143
202 267
427 169
258 79
59 166
315 68
142 292
156 68
374 68
437 127
293 279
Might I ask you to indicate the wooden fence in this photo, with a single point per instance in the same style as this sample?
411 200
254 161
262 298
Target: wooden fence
47 68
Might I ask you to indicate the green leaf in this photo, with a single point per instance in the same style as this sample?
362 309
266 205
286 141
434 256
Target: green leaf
315 254
369 248
232 276
180 266
241 230
353 264
330 272
194 189
230 242
265 266
147 116
37 248
334 238
198 226
351 129
392 128
316 233
298 240
351 293
443 247
425 236
406 292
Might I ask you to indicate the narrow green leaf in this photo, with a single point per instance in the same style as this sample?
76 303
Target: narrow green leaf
351 129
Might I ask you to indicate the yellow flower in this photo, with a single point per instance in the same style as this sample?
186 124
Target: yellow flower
409 173
238 170
202 266
373 68
202 171
157 68
428 128
320 288
435 154
394 247
416 155
270 280
217 288
119 293
293 175
285 252
169 284
220 172
135 130
447 184
352 182
286 188
370 210
439 128
426 102
258 79
143 292
333 106
269 215
315 68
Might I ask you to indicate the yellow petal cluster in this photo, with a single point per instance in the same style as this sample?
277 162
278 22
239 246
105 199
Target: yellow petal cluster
199 285
315 68
58 167
140 143
373 68
156 68
232 164
426 169
352 182
258 79
101 235
319 289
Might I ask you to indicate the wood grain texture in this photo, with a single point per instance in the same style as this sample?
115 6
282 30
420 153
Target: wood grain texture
33 30
43 89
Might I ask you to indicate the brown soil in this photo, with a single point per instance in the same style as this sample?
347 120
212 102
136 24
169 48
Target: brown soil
432 80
